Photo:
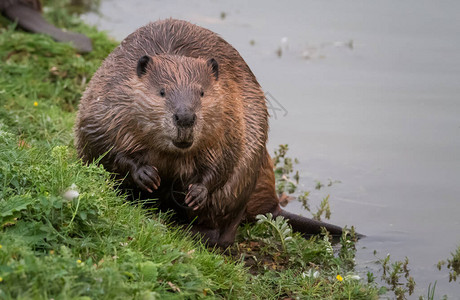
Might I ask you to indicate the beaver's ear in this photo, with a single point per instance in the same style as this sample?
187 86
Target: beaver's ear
215 67
142 65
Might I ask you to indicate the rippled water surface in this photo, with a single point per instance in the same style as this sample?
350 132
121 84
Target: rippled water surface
366 93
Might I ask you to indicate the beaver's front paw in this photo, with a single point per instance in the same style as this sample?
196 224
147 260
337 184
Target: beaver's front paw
146 178
196 195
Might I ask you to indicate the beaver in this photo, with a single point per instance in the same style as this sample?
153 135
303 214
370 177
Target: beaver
175 109
27 14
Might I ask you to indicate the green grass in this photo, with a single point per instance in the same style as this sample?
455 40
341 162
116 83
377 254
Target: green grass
94 245
97 246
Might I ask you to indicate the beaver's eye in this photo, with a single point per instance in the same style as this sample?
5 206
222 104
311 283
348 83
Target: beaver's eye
201 93
162 92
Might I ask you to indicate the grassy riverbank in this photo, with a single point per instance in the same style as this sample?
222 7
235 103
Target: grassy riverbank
66 233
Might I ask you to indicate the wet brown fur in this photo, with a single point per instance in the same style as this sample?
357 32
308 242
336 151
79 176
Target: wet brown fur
122 116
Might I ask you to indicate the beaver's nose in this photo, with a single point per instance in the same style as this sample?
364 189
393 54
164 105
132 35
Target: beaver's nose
184 119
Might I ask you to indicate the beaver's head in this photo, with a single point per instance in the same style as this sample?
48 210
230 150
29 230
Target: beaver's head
178 100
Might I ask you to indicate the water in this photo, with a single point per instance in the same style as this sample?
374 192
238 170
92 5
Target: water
371 91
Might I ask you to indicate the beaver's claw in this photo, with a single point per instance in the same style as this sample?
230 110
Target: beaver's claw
146 177
196 195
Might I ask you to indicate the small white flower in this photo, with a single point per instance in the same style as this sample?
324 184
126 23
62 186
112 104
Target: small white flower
310 274
353 277
71 193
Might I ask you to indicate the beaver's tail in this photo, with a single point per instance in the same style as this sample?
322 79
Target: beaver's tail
29 18
308 226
